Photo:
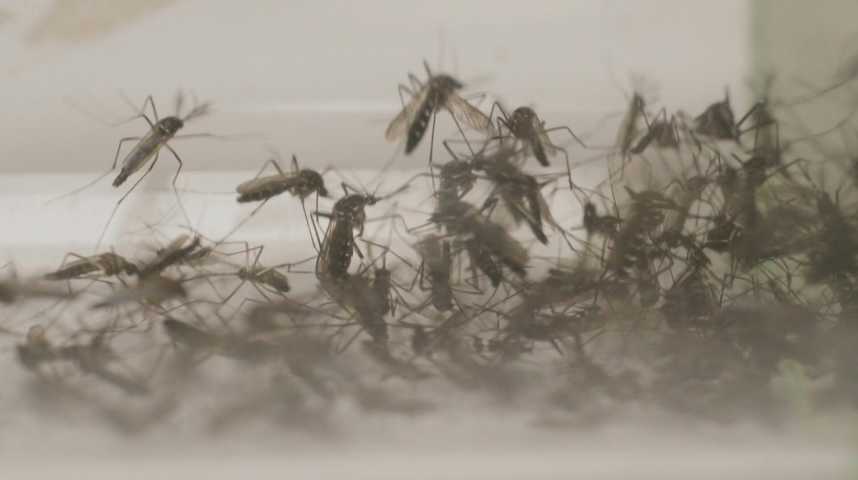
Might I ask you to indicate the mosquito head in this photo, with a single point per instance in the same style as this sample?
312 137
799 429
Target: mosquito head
458 174
524 113
313 182
169 125
445 83
353 204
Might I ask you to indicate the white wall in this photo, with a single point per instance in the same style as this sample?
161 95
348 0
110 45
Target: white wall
319 78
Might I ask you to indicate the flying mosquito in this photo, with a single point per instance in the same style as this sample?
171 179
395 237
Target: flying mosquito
148 147
439 91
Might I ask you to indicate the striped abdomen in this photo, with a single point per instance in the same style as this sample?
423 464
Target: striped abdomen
420 122
263 188
140 155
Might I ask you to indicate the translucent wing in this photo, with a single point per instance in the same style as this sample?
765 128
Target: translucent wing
399 125
259 183
467 113
545 211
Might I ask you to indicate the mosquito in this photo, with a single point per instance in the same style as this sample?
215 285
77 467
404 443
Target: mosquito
439 91
484 239
147 148
150 289
525 126
92 358
177 251
630 125
107 264
300 182
437 265
519 191
595 223
664 132
338 245
262 278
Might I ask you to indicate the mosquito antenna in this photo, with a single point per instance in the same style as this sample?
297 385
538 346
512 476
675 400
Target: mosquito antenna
178 102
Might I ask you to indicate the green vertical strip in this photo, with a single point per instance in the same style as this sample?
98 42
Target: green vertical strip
759 48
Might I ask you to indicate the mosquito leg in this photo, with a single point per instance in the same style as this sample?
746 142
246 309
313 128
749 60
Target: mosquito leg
261 291
311 229
567 129
142 110
122 199
100 177
461 132
497 105
432 142
175 179
243 222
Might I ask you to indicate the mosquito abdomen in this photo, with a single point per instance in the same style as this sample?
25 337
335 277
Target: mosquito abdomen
420 123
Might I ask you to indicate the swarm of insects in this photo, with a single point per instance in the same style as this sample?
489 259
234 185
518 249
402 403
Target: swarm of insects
735 257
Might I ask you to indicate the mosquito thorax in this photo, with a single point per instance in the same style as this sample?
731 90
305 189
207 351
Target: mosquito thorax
445 83
521 121
352 205
169 125
458 173
313 182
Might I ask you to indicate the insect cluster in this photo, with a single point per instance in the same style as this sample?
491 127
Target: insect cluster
690 289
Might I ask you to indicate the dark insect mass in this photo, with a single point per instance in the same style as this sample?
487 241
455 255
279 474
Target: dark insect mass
714 270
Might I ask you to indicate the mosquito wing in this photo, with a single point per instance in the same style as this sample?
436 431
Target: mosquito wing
468 114
399 125
262 183
542 204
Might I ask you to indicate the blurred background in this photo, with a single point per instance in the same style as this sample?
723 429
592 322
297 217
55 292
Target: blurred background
319 79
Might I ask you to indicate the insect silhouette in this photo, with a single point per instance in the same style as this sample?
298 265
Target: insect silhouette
93 358
630 125
107 264
338 245
177 251
664 132
718 121
439 91
260 277
519 191
148 147
525 126
488 244
437 266
300 182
